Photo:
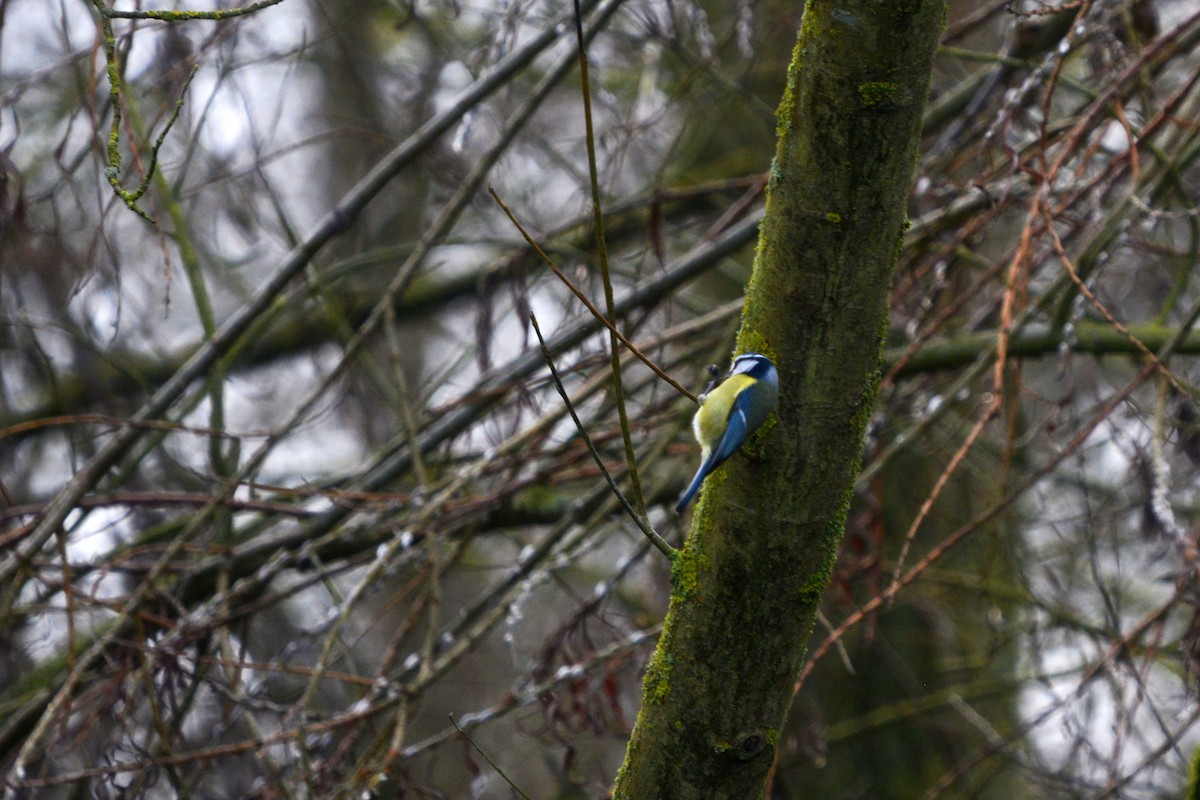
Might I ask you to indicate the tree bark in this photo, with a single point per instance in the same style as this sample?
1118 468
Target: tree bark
766 531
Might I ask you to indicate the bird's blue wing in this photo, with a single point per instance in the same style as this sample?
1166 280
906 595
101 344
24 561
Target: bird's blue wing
735 429
735 433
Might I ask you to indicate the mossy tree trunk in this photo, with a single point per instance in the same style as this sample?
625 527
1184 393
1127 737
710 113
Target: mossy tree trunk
767 528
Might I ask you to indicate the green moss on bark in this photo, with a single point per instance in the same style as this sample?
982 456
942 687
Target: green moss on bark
875 93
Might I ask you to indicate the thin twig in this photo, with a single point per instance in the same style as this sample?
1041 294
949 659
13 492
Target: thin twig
188 16
588 303
491 763
639 519
989 412
1095 303
635 483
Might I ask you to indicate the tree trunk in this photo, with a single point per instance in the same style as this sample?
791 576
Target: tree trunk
767 528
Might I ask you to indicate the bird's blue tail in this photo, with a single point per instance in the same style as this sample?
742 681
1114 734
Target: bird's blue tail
693 487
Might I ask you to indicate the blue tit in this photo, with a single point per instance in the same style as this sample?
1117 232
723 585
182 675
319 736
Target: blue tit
730 412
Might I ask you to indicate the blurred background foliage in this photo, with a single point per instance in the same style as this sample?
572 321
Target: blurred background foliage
362 509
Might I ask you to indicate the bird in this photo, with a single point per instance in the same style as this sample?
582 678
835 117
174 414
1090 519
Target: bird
729 413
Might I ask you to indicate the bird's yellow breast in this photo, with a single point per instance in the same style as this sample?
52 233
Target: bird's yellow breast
710 419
